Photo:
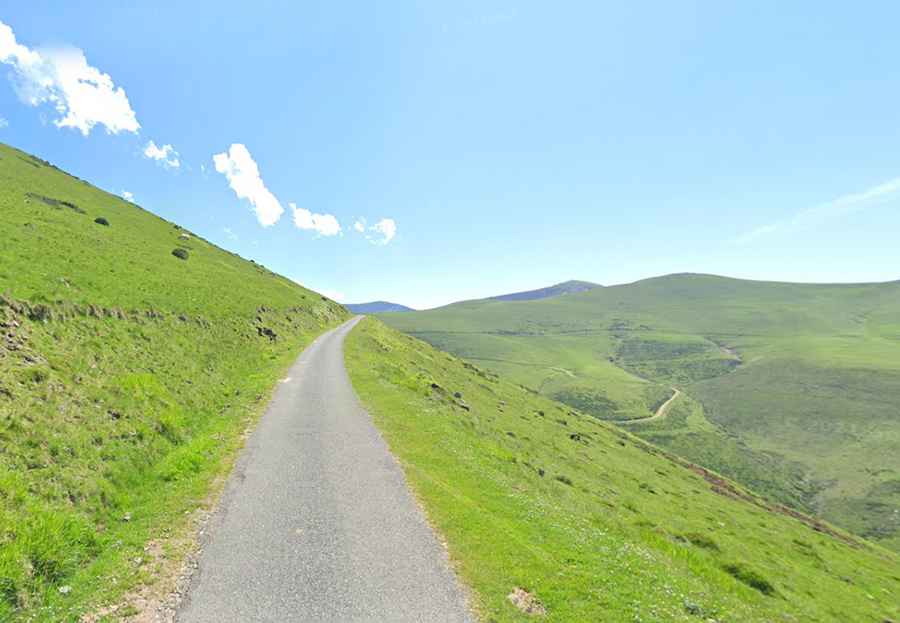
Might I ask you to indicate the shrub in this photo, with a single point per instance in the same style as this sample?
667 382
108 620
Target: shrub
750 577
699 540
101 221
180 253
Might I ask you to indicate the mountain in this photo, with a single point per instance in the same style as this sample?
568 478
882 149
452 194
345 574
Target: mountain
790 389
543 505
377 307
128 377
135 358
560 289
566 287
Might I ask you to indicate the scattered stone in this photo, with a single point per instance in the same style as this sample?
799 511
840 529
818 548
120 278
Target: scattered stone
526 602
65 590
692 608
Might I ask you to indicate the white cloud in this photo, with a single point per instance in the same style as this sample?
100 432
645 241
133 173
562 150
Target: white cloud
386 228
82 95
3 123
382 232
243 176
127 196
166 155
810 217
231 235
322 224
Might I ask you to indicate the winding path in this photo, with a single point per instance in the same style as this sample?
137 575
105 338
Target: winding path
317 523
660 413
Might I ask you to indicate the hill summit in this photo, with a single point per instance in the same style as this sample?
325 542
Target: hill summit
559 289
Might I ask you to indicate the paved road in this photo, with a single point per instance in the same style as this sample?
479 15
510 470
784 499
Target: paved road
316 523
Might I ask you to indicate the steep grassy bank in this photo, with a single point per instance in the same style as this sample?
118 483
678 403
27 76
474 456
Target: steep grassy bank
792 389
593 522
127 378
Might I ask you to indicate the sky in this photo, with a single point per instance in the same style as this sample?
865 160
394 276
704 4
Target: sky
426 152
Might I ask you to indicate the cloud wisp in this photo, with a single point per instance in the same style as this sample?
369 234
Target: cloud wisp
322 224
384 230
238 166
381 232
82 95
836 208
128 196
165 155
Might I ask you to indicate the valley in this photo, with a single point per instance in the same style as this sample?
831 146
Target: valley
789 388
132 376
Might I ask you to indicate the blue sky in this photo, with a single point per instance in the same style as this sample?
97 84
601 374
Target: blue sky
492 146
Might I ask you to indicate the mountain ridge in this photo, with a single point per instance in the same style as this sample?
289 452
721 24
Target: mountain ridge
377 307
746 355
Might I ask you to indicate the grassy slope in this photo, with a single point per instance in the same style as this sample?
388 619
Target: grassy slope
127 377
594 522
792 389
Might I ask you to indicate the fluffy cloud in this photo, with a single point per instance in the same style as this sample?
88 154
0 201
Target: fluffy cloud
82 95
238 166
322 224
166 155
127 196
382 232
3 123
386 228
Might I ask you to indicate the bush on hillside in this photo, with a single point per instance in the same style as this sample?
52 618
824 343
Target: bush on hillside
180 253
101 221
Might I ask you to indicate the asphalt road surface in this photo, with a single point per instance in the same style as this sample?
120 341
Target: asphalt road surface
317 523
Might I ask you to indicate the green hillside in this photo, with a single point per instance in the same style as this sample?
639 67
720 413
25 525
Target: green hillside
791 389
594 523
127 378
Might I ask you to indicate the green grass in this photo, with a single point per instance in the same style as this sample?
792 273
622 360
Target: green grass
127 379
792 389
597 524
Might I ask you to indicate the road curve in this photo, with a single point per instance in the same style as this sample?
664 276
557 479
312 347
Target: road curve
316 522
662 412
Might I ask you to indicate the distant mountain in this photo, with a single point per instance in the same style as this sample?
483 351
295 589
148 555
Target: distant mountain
771 377
566 287
377 307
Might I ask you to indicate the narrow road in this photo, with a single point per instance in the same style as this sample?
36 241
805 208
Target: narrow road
317 523
660 413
